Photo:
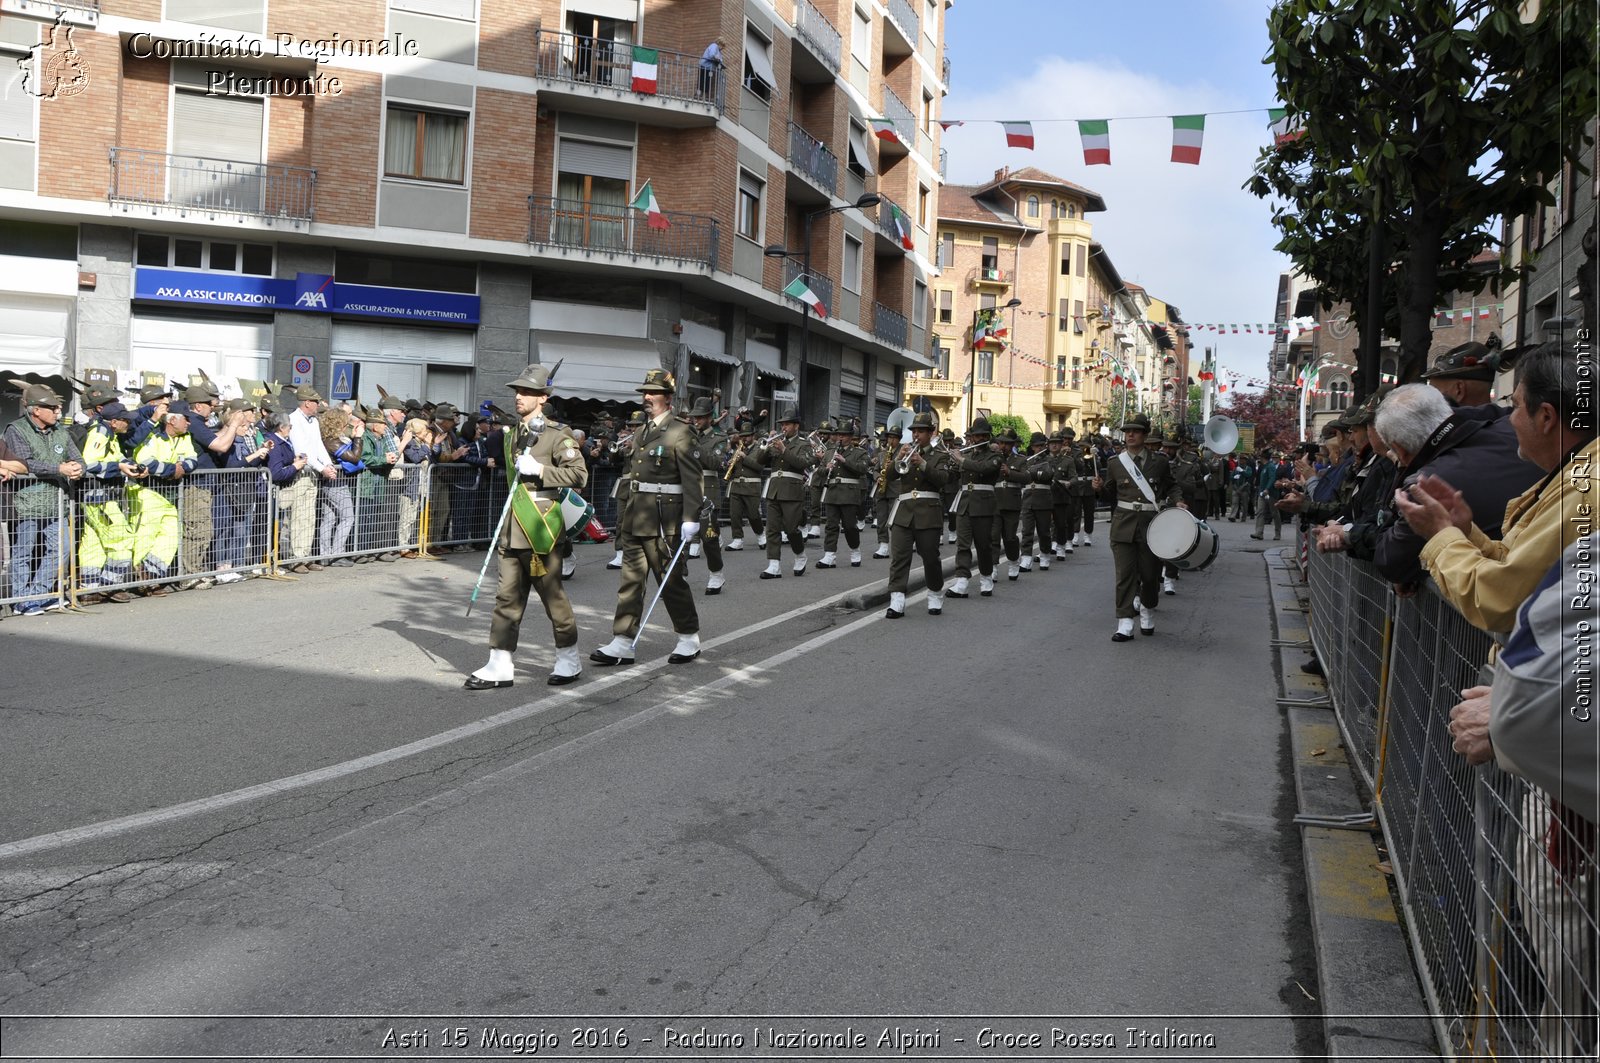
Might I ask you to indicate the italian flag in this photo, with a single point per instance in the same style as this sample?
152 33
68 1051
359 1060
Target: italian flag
1188 130
1096 134
1284 128
901 230
885 130
646 201
799 289
1018 134
644 69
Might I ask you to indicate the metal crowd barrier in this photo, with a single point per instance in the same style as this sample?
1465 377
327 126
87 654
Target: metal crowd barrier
1504 937
25 558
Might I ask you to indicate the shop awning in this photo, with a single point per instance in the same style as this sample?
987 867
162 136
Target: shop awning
713 356
33 334
596 367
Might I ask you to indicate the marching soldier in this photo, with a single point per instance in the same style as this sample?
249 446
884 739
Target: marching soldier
882 500
1008 499
978 470
619 490
744 486
662 511
713 455
1190 473
950 488
1061 500
916 474
541 458
1142 481
843 471
1083 493
1038 504
789 459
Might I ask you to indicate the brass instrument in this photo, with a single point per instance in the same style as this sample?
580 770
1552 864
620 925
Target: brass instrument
883 471
733 461
902 461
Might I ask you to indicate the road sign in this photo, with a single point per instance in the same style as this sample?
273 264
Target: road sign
301 371
786 396
346 376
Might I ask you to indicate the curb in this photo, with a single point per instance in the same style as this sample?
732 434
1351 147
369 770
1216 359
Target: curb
1372 1004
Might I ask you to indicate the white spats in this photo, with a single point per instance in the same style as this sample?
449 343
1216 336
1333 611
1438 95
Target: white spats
499 669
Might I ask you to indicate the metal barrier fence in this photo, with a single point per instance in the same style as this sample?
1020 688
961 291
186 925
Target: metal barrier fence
1498 889
34 540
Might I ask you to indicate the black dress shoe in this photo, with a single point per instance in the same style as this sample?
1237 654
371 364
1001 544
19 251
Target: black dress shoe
1120 637
822 565
772 575
855 564
1147 630
1312 667
954 594
562 680
605 660
682 658
474 683
894 614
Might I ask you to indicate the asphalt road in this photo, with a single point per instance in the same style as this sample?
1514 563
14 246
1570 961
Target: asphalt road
274 799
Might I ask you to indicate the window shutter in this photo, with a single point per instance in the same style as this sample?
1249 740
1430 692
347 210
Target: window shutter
217 127
596 160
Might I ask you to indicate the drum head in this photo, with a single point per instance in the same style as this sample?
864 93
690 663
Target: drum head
1173 534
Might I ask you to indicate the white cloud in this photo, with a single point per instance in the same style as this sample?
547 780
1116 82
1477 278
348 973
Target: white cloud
1190 235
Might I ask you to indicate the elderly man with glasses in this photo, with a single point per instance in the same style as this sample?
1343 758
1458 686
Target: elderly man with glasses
53 459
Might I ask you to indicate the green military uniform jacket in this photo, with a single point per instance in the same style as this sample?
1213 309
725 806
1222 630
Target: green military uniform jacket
1038 493
1191 477
917 504
789 470
846 478
557 451
979 470
665 456
748 467
1067 472
1008 490
1083 486
713 454
1132 511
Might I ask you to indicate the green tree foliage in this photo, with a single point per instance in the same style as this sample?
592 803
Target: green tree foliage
1455 110
999 422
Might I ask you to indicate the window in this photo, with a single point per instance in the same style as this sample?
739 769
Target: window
214 256
861 39
927 113
425 145
986 301
1077 374
758 75
947 299
389 271
1033 206
919 304
852 264
930 20
1387 370
947 250
748 219
1064 316
16 107
941 359
1066 259
991 258
1077 316
1061 371
922 205
592 182
1338 395
985 368
214 135
1072 210
1083 259
860 161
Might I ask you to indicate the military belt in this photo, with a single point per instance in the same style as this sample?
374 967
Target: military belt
921 494
658 489
980 487
1138 507
847 480
791 475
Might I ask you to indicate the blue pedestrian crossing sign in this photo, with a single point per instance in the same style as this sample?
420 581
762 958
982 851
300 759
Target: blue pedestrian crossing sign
344 378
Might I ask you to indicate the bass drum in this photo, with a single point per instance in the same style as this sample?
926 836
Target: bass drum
1182 539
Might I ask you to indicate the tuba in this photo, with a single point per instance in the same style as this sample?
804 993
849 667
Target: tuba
1221 435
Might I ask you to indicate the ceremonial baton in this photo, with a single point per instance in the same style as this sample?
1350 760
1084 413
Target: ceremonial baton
505 511
659 588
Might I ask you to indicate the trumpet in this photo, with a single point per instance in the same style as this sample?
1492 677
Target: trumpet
902 461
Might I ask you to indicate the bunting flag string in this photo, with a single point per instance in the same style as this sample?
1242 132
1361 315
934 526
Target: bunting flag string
1188 131
1271 328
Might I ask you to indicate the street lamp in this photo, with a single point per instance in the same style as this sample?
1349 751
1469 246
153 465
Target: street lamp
871 199
1011 355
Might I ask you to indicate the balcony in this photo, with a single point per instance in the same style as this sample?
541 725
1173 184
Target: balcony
1058 396
933 387
811 159
986 279
819 62
588 75
905 123
890 241
210 187
815 281
944 71
621 232
72 12
889 325
901 29
944 165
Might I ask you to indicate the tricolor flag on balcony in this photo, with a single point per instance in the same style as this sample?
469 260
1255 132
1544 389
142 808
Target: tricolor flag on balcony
1018 134
799 289
1096 134
645 61
1188 130
884 129
646 201
901 230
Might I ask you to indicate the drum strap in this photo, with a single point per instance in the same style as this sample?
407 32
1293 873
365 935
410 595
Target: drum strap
1138 478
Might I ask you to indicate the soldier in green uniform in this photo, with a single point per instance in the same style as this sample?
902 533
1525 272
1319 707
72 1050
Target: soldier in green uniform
844 473
541 457
977 470
1038 504
713 455
1083 493
917 475
1061 501
1008 500
788 459
662 511
1142 481
744 485
619 490
948 437
882 498
1189 476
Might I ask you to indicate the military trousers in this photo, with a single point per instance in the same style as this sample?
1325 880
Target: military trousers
787 517
1037 520
1005 533
974 535
880 517
710 537
1138 575
1061 516
1085 521
641 558
743 509
511 601
925 541
841 517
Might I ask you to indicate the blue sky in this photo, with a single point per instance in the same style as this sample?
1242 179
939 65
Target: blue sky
1190 234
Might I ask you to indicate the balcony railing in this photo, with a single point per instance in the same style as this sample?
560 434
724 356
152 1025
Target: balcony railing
815 281
580 60
933 387
815 29
888 325
980 276
886 211
215 186
79 12
906 15
895 110
944 165
619 229
944 69
812 158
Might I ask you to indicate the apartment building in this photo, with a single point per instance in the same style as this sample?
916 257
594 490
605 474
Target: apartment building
426 194
1550 303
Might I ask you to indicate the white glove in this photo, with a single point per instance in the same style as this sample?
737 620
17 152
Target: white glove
688 529
528 465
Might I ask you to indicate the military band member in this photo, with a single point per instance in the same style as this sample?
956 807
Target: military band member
1061 501
789 459
541 457
844 474
623 448
744 486
714 451
977 471
1038 504
662 511
916 475
1083 492
1008 499
948 437
1190 474
882 498
1142 481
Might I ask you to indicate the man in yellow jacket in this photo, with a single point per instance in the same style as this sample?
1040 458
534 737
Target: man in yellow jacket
160 464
